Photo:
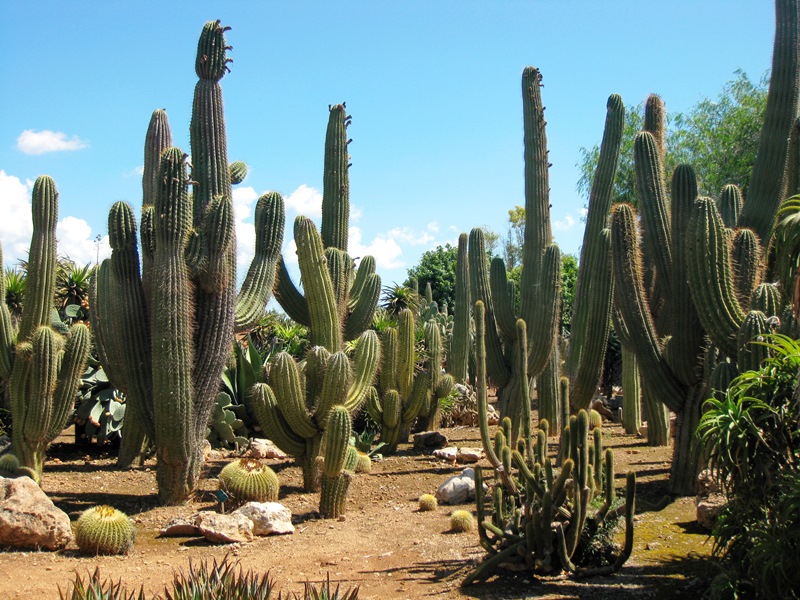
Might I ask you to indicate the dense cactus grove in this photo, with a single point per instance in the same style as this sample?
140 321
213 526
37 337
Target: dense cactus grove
691 286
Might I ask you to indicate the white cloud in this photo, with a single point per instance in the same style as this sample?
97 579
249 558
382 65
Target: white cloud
15 226
409 236
384 249
355 213
305 200
76 241
564 224
41 142
584 211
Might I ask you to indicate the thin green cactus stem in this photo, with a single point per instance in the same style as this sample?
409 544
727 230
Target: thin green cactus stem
335 181
730 203
458 358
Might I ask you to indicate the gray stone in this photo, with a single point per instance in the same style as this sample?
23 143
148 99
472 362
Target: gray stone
29 519
268 518
710 499
449 454
224 529
469 455
457 489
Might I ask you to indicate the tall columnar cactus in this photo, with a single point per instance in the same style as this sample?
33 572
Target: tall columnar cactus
458 357
165 333
294 404
541 272
40 366
537 514
594 287
344 311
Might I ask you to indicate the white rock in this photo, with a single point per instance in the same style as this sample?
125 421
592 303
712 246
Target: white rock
268 517
469 455
181 526
457 489
224 529
449 454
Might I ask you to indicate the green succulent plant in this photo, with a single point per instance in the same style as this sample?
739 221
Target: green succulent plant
249 480
104 530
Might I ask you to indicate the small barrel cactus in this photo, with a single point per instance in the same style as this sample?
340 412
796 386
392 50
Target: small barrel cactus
428 502
104 530
9 465
249 480
363 462
462 521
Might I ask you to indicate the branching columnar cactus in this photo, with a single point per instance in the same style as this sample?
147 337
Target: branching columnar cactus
40 366
345 310
541 273
400 396
165 342
594 287
535 514
294 405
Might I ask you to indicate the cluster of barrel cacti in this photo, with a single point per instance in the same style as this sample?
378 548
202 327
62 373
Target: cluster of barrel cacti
40 366
534 513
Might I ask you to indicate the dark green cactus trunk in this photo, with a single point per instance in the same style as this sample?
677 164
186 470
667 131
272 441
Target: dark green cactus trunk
335 182
458 358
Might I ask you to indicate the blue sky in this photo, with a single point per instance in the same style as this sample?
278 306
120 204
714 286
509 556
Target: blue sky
433 87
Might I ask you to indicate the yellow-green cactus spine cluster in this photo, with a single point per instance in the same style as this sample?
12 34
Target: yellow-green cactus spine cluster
538 514
541 274
249 480
180 330
428 502
462 521
104 530
40 366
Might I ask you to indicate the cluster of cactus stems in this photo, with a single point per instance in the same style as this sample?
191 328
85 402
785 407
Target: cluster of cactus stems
535 514
40 366
164 333
701 274
297 401
540 279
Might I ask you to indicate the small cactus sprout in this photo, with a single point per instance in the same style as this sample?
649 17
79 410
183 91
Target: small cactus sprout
363 463
104 530
595 419
249 480
9 465
462 521
428 502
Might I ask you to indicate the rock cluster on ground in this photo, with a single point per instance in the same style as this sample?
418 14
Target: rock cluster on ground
252 519
710 499
457 489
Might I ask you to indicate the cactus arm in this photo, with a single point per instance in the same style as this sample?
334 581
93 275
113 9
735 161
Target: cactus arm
76 352
458 359
747 265
335 386
41 258
769 171
325 324
285 382
730 204
273 423
406 352
335 181
631 302
366 268
543 323
594 287
158 139
289 297
709 274
45 364
257 287
364 309
365 366
503 301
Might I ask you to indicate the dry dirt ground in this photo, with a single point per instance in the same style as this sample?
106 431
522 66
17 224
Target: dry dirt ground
384 546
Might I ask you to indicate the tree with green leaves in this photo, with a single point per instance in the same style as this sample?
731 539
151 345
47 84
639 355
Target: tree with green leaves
718 137
437 267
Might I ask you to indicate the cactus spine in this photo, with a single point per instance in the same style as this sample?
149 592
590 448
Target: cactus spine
40 366
181 330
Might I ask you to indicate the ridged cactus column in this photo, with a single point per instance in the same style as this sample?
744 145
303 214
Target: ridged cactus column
541 273
594 287
350 312
458 358
41 367
179 323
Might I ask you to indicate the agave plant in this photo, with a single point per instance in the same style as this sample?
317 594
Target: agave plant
15 292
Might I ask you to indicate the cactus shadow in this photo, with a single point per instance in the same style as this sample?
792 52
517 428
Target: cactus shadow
131 504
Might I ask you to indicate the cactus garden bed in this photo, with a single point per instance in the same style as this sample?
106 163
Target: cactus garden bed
384 544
